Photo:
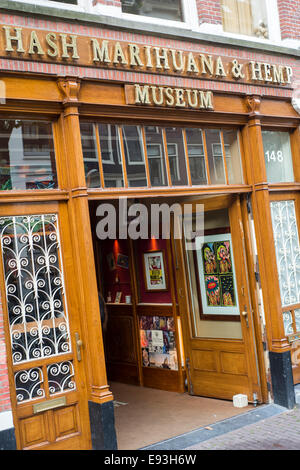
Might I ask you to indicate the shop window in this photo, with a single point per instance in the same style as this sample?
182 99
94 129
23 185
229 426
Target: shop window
90 155
134 156
27 157
278 157
247 17
111 156
196 156
168 9
156 156
233 156
152 156
215 156
176 155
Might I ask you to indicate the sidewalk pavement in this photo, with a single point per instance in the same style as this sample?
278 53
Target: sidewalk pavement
267 427
281 432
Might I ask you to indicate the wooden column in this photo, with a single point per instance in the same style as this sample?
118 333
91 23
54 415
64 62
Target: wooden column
85 273
263 228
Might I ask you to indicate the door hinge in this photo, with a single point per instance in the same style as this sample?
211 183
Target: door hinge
188 366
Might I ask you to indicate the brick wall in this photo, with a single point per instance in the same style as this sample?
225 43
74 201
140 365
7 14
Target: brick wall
289 15
5 404
209 11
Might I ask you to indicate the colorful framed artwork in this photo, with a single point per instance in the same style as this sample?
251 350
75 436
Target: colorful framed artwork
154 271
216 275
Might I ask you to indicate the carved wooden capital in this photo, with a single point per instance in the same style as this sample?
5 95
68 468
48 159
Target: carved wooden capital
253 104
70 89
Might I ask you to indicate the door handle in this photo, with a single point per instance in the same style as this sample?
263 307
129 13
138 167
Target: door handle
79 345
245 315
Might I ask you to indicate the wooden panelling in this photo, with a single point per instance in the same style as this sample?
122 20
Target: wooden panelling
205 360
120 339
162 379
35 430
66 421
233 363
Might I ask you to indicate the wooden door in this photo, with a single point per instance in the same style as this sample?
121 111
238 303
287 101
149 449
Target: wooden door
215 306
47 378
285 211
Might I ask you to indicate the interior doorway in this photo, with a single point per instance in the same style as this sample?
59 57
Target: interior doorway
166 352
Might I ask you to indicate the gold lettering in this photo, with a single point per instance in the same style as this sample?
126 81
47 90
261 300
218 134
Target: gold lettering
180 67
161 57
100 54
278 74
119 55
267 72
149 64
256 71
142 94
207 64
170 98
206 99
35 44
134 53
192 66
69 45
50 38
289 74
160 100
191 103
9 39
220 71
179 92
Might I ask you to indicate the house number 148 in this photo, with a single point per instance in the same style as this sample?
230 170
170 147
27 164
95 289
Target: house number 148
274 156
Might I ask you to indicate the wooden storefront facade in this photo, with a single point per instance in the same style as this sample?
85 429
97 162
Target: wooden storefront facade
83 88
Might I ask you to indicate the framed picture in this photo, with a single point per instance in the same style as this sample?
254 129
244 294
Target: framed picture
216 276
154 271
122 261
118 297
111 261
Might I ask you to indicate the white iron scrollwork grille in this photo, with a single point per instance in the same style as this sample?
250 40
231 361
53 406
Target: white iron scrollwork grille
35 294
287 249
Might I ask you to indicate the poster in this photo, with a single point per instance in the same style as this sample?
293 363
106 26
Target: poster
157 335
154 271
216 275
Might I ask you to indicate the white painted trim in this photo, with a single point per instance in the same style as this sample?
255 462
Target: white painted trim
6 420
83 5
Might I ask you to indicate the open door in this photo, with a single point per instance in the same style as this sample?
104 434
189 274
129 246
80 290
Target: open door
215 306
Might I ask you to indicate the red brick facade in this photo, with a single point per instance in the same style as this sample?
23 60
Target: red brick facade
289 15
209 11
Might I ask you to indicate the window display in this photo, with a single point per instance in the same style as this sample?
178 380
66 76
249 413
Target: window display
158 342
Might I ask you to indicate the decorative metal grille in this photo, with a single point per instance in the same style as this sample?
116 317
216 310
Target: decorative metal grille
288 323
60 377
34 287
29 384
287 250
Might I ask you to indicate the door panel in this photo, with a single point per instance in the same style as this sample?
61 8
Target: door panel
50 401
218 328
